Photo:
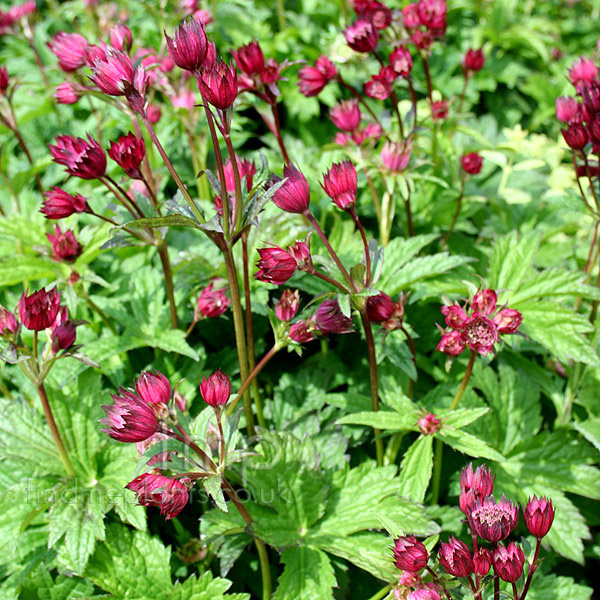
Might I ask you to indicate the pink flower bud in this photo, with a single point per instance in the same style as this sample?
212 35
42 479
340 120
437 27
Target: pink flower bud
85 160
346 115
410 554
216 389
508 320
312 80
484 302
429 424
218 85
250 58
153 388
433 14
121 38
474 486
66 93
455 558
439 110
362 36
128 152
401 61
288 305
582 73
188 47
508 562
247 170
70 49
302 332
455 315
395 156
474 60
539 515
275 266
452 343
428 591
170 495
154 112
94 53
129 419
472 163
422 39
411 16
65 248
482 562
340 184
212 303
493 521
567 109
575 136
64 335
8 323
380 85
378 14
330 319
294 195
38 311
300 252
60 204
4 80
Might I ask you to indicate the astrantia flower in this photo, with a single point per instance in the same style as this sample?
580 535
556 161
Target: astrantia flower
508 562
216 389
66 93
433 14
539 516
153 388
582 73
472 163
473 60
83 159
410 554
395 157
169 494
294 195
38 310
302 332
380 85
362 36
340 184
455 558
330 319
121 38
401 61
212 302
250 58
493 521
428 591
65 248
429 424
8 323
312 80
70 49
439 110
60 204
128 152
482 562
287 306
218 85
188 46
475 486
346 115
275 265
246 169
576 136
129 419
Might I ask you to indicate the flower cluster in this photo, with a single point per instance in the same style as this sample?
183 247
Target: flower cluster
478 327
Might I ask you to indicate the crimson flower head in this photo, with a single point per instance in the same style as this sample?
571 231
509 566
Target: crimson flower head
395 156
216 389
362 36
427 591
60 204
302 332
493 521
411 16
218 85
410 554
422 39
380 85
121 38
508 562
482 562
331 319
346 115
379 308
472 163
212 302
294 195
340 184
312 80
576 136
508 320
378 14
300 252
583 73
455 558
567 109
188 47
83 159
166 493
129 419
475 485
153 388
65 248
66 93
473 60
8 323
275 265
4 80
250 58
38 311
128 152
288 304
539 515
401 61
429 424
70 49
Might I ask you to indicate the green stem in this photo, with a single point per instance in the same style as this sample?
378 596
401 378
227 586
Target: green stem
462 96
163 253
382 593
328 279
532 569
83 294
366 247
281 15
236 174
439 449
409 219
240 338
62 451
374 381
457 211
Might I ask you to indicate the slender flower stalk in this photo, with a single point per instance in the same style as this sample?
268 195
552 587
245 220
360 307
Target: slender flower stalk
427 77
457 211
236 174
462 95
163 253
359 97
277 132
366 247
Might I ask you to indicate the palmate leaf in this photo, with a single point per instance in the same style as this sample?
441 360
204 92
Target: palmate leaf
551 587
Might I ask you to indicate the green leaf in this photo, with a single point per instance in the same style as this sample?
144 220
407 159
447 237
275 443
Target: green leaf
590 430
461 417
383 419
307 574
551 587
467 444
415 470
205 587
167 221
212 485
17 269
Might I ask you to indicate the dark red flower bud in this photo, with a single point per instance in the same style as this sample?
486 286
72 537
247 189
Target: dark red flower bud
64 335
362 36
70 49
576 136
275 265
300 252
82 159
379 308
312 80
216 389
121 38
218 85
170 495
65 248
472 163
302 332
247 170
288 305
508 562
493 521
294 195
330 319
129 419
539 515
378 14
340 184
455 558
250 58
482 562
38 311
153 388
508 320
346 115
439 110
429 424
59 204
475 485
128 152
401 61
211 302
8 323
188 47
410 554
474 60
4 80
